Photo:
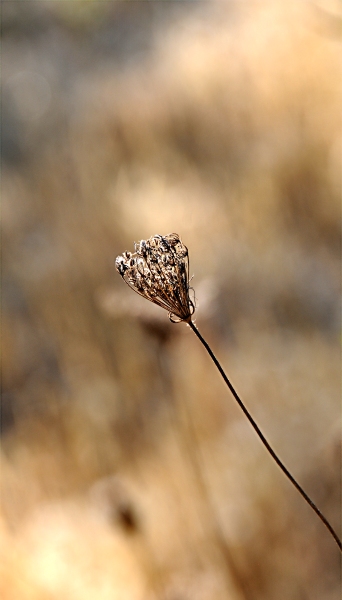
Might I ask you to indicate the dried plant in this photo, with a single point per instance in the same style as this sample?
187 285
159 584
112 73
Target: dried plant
158 270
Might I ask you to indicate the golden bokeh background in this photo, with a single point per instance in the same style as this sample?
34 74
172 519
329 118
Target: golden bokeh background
128 472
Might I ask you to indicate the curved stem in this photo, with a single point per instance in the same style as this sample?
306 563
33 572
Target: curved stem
263 439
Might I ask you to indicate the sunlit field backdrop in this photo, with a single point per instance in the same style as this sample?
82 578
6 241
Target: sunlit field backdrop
127 470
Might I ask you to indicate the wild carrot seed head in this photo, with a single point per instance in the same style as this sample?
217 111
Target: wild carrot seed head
158 270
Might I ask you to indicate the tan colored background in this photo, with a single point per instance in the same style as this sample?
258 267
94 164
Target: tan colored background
128 472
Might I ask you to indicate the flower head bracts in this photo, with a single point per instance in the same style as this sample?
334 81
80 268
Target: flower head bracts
158 270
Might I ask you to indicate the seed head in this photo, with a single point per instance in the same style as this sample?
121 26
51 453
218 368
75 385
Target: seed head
158 270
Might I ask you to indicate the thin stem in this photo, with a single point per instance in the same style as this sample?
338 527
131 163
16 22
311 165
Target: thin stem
263 439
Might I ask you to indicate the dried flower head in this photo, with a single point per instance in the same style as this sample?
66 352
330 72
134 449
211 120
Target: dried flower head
158 270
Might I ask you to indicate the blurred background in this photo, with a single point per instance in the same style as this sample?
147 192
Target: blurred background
128 471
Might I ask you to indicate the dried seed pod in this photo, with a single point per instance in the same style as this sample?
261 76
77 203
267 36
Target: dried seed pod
158 270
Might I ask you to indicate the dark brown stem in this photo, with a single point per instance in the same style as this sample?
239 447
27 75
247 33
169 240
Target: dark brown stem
263 439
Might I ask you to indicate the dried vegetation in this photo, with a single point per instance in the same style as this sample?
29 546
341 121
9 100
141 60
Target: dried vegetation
127 470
